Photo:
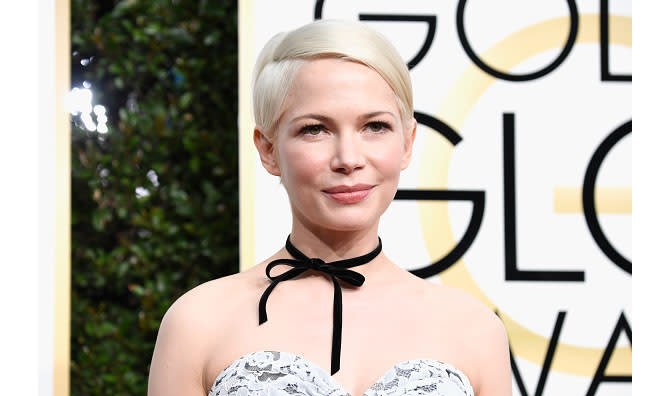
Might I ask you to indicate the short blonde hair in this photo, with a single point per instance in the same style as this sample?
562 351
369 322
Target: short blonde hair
282 57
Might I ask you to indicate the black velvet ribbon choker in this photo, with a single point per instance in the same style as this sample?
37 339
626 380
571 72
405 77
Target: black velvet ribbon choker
335 269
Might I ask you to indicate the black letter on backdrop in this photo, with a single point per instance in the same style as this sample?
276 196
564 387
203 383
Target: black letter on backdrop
476 197
509 202
621 325
574 24
318 9
546 365
588 196
431 20
605 74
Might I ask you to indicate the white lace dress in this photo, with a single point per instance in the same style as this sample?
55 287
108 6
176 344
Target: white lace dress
281 373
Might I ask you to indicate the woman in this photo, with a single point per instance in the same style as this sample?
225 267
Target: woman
333 111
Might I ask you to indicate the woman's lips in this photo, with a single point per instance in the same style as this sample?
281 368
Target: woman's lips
349 195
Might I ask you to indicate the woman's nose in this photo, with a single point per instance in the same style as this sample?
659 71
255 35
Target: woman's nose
348 154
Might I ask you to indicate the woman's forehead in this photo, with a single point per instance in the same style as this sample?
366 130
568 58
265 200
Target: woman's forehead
337 84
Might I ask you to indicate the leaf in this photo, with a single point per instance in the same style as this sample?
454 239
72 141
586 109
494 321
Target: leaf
185 100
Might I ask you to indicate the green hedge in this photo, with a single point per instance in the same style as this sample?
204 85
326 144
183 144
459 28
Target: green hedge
166 71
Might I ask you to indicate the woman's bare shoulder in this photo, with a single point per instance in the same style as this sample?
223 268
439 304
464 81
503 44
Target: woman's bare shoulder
190 325
219 295
479 334
454 302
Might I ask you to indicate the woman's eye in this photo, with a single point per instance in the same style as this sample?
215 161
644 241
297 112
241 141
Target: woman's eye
378 126
311 129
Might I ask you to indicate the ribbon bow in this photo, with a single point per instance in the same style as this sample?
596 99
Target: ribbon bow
336 270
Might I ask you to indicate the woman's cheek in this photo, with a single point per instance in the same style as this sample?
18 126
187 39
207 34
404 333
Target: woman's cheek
304 165
389 160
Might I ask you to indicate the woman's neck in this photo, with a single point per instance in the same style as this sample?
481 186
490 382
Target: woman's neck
329 246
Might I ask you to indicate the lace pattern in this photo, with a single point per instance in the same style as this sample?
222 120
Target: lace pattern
277 373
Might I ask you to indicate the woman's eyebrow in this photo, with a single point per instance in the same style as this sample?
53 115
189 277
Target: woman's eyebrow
315 116
375 114
324 118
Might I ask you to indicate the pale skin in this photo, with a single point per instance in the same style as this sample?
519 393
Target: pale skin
340 125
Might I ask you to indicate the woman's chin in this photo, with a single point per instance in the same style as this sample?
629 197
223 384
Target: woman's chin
342 217
349 222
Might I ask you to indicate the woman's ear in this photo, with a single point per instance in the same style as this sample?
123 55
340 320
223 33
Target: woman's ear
409 136
266 150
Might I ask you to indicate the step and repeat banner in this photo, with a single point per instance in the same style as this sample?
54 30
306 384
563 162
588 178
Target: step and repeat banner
519 191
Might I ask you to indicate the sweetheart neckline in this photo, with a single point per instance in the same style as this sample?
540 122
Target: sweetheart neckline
461 375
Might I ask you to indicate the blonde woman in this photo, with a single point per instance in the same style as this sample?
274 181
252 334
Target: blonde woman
330 314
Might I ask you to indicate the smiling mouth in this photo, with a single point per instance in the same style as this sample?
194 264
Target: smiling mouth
349 194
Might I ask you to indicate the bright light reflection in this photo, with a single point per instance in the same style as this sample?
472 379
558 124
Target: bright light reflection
88 121
141 192
153 177
78 102
99 110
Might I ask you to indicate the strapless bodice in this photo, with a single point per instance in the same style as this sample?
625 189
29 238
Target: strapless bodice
277 373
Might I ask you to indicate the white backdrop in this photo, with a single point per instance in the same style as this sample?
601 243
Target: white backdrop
556 119
35 199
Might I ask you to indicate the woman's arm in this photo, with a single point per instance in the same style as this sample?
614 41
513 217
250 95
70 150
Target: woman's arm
178 359
495 377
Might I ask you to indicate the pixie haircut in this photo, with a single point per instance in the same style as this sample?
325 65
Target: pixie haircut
282 57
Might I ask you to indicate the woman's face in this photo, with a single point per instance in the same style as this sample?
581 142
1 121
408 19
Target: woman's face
340 145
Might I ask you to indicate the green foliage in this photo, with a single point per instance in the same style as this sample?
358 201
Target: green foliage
166 71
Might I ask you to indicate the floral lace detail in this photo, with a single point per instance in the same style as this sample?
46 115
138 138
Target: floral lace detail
281 373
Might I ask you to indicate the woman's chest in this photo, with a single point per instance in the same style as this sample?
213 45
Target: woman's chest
378 332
